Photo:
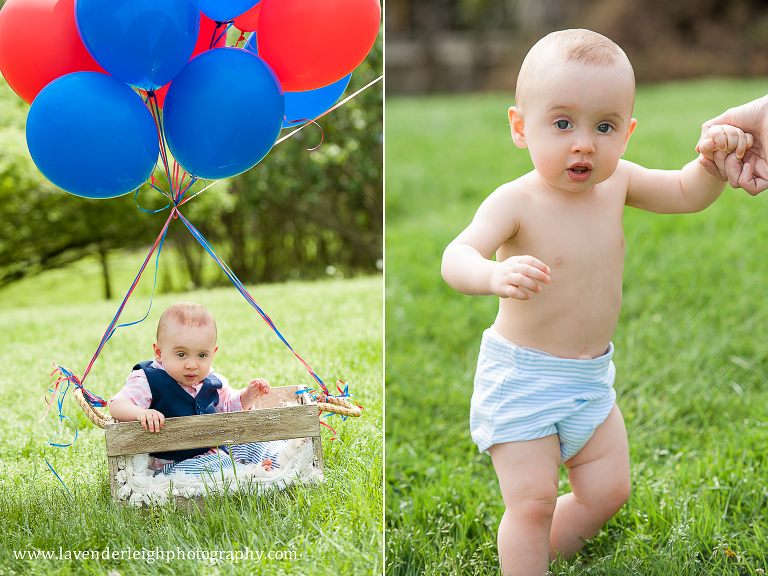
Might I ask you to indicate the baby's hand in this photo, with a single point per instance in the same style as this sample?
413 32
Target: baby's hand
517 277
258 387
151 420
723 144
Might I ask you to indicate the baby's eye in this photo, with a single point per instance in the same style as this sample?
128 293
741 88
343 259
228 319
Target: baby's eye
202 355
180 354
604 128
563 124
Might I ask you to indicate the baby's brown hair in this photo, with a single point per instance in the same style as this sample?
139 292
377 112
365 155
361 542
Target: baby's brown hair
185 314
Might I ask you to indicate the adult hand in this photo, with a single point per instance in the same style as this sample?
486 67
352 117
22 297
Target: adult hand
751 171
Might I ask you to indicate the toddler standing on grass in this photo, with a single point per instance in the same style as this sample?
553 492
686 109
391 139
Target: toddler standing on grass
543 392
180 382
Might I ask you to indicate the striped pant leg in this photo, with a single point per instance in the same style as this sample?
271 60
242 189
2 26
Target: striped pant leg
256 452
200 465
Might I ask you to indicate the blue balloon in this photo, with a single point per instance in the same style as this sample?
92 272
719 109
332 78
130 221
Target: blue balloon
252 45
224 10
92 135
308 104
223 113
144 43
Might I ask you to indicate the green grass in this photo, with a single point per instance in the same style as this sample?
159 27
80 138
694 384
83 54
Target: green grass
691 350
335 325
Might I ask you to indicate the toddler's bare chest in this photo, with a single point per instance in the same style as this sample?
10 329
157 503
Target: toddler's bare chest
585 242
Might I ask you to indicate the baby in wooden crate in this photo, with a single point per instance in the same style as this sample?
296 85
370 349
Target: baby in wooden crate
180 382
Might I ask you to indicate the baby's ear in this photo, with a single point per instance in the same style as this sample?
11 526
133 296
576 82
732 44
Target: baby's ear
518 127
632 126
158 355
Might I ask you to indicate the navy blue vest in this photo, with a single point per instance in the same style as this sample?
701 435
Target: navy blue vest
171 400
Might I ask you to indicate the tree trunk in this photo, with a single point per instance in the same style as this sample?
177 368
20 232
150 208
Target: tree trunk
105 272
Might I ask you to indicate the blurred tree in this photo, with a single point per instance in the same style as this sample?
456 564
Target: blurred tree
45 227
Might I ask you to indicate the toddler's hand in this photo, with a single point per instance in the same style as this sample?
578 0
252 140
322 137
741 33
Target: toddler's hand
258 387
723 146
517 277
151 420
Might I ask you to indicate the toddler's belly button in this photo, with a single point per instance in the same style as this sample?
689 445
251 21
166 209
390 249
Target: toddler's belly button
585 356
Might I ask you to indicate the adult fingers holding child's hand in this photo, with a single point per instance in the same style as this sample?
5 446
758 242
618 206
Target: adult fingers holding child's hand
519 277
754 173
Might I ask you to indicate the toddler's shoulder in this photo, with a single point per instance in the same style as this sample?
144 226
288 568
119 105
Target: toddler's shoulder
518 190
625 168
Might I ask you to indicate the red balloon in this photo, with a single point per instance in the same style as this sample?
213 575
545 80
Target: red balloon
311 44
204 39
39 43
247 21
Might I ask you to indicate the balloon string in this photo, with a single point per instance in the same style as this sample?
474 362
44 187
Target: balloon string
160 189
233 278
229 25
136 200
347 99
214 39
322 133
155 110
198 193
242 37
111 329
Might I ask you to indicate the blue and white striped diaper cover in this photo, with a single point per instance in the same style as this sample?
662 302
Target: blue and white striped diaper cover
242 454
525 394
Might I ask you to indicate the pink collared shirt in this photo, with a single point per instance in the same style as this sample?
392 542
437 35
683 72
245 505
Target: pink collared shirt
137 390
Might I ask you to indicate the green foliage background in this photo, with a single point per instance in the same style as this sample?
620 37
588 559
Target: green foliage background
293 216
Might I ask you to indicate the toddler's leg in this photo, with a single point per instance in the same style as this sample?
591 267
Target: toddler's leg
600 484
528 478
258 452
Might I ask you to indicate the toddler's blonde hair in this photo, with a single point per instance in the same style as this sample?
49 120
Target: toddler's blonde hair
575 45
185 314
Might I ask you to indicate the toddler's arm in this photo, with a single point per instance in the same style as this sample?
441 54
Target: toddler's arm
257 388
688 190
125 410
467 264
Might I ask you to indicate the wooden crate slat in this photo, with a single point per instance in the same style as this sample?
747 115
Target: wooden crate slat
278 395
226 428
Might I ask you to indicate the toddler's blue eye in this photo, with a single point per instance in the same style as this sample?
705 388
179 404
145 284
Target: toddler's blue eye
604 128
563 124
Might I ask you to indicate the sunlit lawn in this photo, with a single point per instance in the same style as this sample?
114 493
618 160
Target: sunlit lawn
335 325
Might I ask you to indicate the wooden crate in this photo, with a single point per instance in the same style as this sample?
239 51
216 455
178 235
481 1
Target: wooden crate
271 420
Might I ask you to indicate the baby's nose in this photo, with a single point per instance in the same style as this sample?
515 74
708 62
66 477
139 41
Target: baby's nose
583 146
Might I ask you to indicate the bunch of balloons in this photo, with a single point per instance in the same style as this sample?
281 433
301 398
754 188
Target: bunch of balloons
83 63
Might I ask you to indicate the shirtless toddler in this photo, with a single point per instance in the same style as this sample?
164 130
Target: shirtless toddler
543 392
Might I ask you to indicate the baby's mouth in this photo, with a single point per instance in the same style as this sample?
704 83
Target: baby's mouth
579 172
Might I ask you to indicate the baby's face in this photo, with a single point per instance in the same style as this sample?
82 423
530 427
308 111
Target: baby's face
186 352
576 123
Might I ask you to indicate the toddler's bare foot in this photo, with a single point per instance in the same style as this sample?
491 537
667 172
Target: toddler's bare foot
267 464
